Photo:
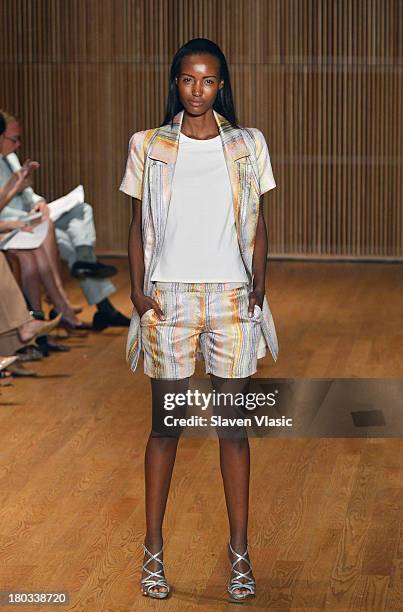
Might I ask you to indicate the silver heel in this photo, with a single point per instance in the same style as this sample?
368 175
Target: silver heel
241 580
154 579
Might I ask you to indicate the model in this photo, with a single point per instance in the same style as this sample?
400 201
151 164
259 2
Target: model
197 254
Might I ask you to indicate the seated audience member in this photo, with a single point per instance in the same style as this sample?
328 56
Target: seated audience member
18 181
39 268
33 266
17 327
39 265
75 234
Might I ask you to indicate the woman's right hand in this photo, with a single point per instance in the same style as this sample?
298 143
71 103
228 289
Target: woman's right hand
6 226
142 303
29 166
23 177
21 180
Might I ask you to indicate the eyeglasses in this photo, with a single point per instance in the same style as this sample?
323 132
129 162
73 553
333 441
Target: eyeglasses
14 139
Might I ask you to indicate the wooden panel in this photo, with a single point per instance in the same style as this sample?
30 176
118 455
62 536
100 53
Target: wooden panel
321 79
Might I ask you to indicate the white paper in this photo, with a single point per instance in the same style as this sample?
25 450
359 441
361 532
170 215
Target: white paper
62 205
27 240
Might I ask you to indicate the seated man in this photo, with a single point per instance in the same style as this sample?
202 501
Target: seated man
75 233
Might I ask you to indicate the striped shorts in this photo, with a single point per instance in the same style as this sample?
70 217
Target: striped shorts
210 316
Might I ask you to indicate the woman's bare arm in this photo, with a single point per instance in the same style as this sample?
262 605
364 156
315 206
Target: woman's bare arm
16 183
135 248
136 264
259 261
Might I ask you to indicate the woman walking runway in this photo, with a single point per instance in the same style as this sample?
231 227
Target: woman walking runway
197 253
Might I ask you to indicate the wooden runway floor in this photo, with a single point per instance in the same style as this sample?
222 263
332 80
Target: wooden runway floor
326 517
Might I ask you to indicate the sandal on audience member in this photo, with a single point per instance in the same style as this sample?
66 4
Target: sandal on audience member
19 371
7 361
29 353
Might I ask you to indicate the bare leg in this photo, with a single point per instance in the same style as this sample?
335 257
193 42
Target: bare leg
14 264
48 262
36 269
235 466
29 277
159 462
48 281
52 252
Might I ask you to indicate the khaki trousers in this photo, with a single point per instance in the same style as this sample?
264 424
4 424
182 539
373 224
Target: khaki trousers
13 310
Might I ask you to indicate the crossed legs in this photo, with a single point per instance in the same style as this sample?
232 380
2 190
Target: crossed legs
160 459
41 266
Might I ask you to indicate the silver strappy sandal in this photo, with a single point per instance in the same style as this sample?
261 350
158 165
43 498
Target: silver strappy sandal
240 580
154 579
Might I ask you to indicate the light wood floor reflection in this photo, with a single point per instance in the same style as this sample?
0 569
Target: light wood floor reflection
326 513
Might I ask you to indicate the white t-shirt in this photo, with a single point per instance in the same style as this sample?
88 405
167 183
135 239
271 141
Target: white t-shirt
200 242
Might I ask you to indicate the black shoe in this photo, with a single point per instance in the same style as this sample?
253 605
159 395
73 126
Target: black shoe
102 320
51 347
58 348
75 328
39 315
29 353
42 345
89 269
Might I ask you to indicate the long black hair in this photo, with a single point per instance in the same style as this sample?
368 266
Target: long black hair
224 103
2 124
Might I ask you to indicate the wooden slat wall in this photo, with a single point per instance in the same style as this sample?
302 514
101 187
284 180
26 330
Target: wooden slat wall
321 78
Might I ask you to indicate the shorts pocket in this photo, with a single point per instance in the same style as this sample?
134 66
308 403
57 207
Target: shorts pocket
146 314
150 311
257 313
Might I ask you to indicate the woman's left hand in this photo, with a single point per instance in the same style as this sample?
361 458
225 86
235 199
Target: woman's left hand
255 297
43 208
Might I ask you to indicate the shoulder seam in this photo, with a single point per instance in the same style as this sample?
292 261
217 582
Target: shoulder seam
152 136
